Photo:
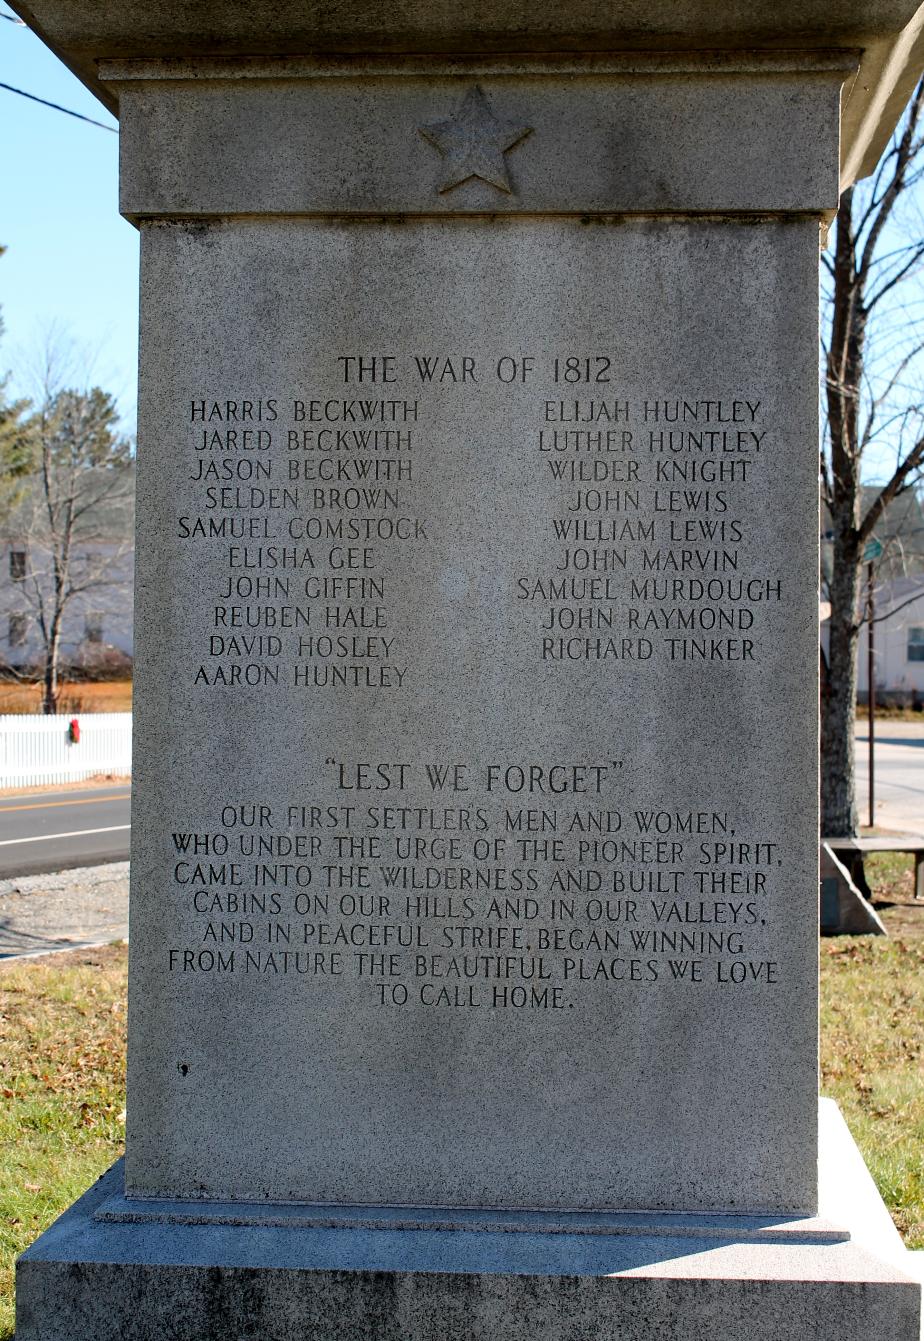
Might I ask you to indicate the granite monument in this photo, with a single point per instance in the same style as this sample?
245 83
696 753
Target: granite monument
474 859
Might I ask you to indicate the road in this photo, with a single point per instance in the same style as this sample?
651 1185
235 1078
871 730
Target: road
898 777
59 830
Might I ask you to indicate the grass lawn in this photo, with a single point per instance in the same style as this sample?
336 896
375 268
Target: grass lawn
62 1091
62 1073
872 1040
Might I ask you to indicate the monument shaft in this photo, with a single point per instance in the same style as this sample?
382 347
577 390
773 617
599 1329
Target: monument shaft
476 802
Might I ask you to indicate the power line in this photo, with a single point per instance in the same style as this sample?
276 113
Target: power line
57 106
11 18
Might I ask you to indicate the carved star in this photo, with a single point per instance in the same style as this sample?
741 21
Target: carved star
474 142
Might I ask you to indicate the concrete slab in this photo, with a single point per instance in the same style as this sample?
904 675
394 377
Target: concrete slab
63 911
84 1277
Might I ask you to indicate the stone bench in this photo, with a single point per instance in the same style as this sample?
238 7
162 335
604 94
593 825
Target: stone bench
851 852
844 908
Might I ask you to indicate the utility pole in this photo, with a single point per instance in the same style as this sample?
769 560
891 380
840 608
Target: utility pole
871 551
871 681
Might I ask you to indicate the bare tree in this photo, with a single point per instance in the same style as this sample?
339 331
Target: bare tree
74 523
866 271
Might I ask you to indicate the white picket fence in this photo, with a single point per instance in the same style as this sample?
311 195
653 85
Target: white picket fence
38 750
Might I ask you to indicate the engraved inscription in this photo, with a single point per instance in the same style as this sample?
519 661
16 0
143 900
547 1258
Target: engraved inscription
473 883
314 499
504 886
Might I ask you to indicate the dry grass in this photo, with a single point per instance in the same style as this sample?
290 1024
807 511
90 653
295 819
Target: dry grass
891 877
872 1006
96 696
889 712
872 1050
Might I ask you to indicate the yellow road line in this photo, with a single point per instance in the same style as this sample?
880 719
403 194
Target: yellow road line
49 805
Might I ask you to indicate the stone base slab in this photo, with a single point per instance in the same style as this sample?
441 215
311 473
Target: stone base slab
113 1279
120 1209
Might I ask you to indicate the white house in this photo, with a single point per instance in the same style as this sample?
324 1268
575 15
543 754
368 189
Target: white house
97 624
898 641
898 599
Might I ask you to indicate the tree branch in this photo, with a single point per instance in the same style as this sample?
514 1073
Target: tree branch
878 619
906 149
913 461
914 259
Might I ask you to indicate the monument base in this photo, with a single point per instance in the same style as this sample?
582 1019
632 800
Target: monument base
172 1272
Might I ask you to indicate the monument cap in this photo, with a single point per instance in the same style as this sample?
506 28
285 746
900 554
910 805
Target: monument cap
885 36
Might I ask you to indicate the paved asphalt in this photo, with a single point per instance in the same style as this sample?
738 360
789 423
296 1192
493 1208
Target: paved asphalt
898 777
59 830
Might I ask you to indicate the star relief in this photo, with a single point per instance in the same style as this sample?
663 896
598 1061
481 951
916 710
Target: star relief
473 143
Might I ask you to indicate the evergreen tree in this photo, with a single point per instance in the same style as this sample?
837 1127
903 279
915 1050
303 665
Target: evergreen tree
17 444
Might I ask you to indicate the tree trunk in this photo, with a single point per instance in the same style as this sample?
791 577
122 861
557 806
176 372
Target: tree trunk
838 779
50 680
843 380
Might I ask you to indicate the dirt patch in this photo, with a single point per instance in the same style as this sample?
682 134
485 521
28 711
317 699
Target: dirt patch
109 957
903 915
891 878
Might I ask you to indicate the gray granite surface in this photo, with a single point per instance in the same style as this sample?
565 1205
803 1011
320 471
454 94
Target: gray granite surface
88 1279
604 135
84 31
492 1003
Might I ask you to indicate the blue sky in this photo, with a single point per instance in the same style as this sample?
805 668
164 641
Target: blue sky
71 260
